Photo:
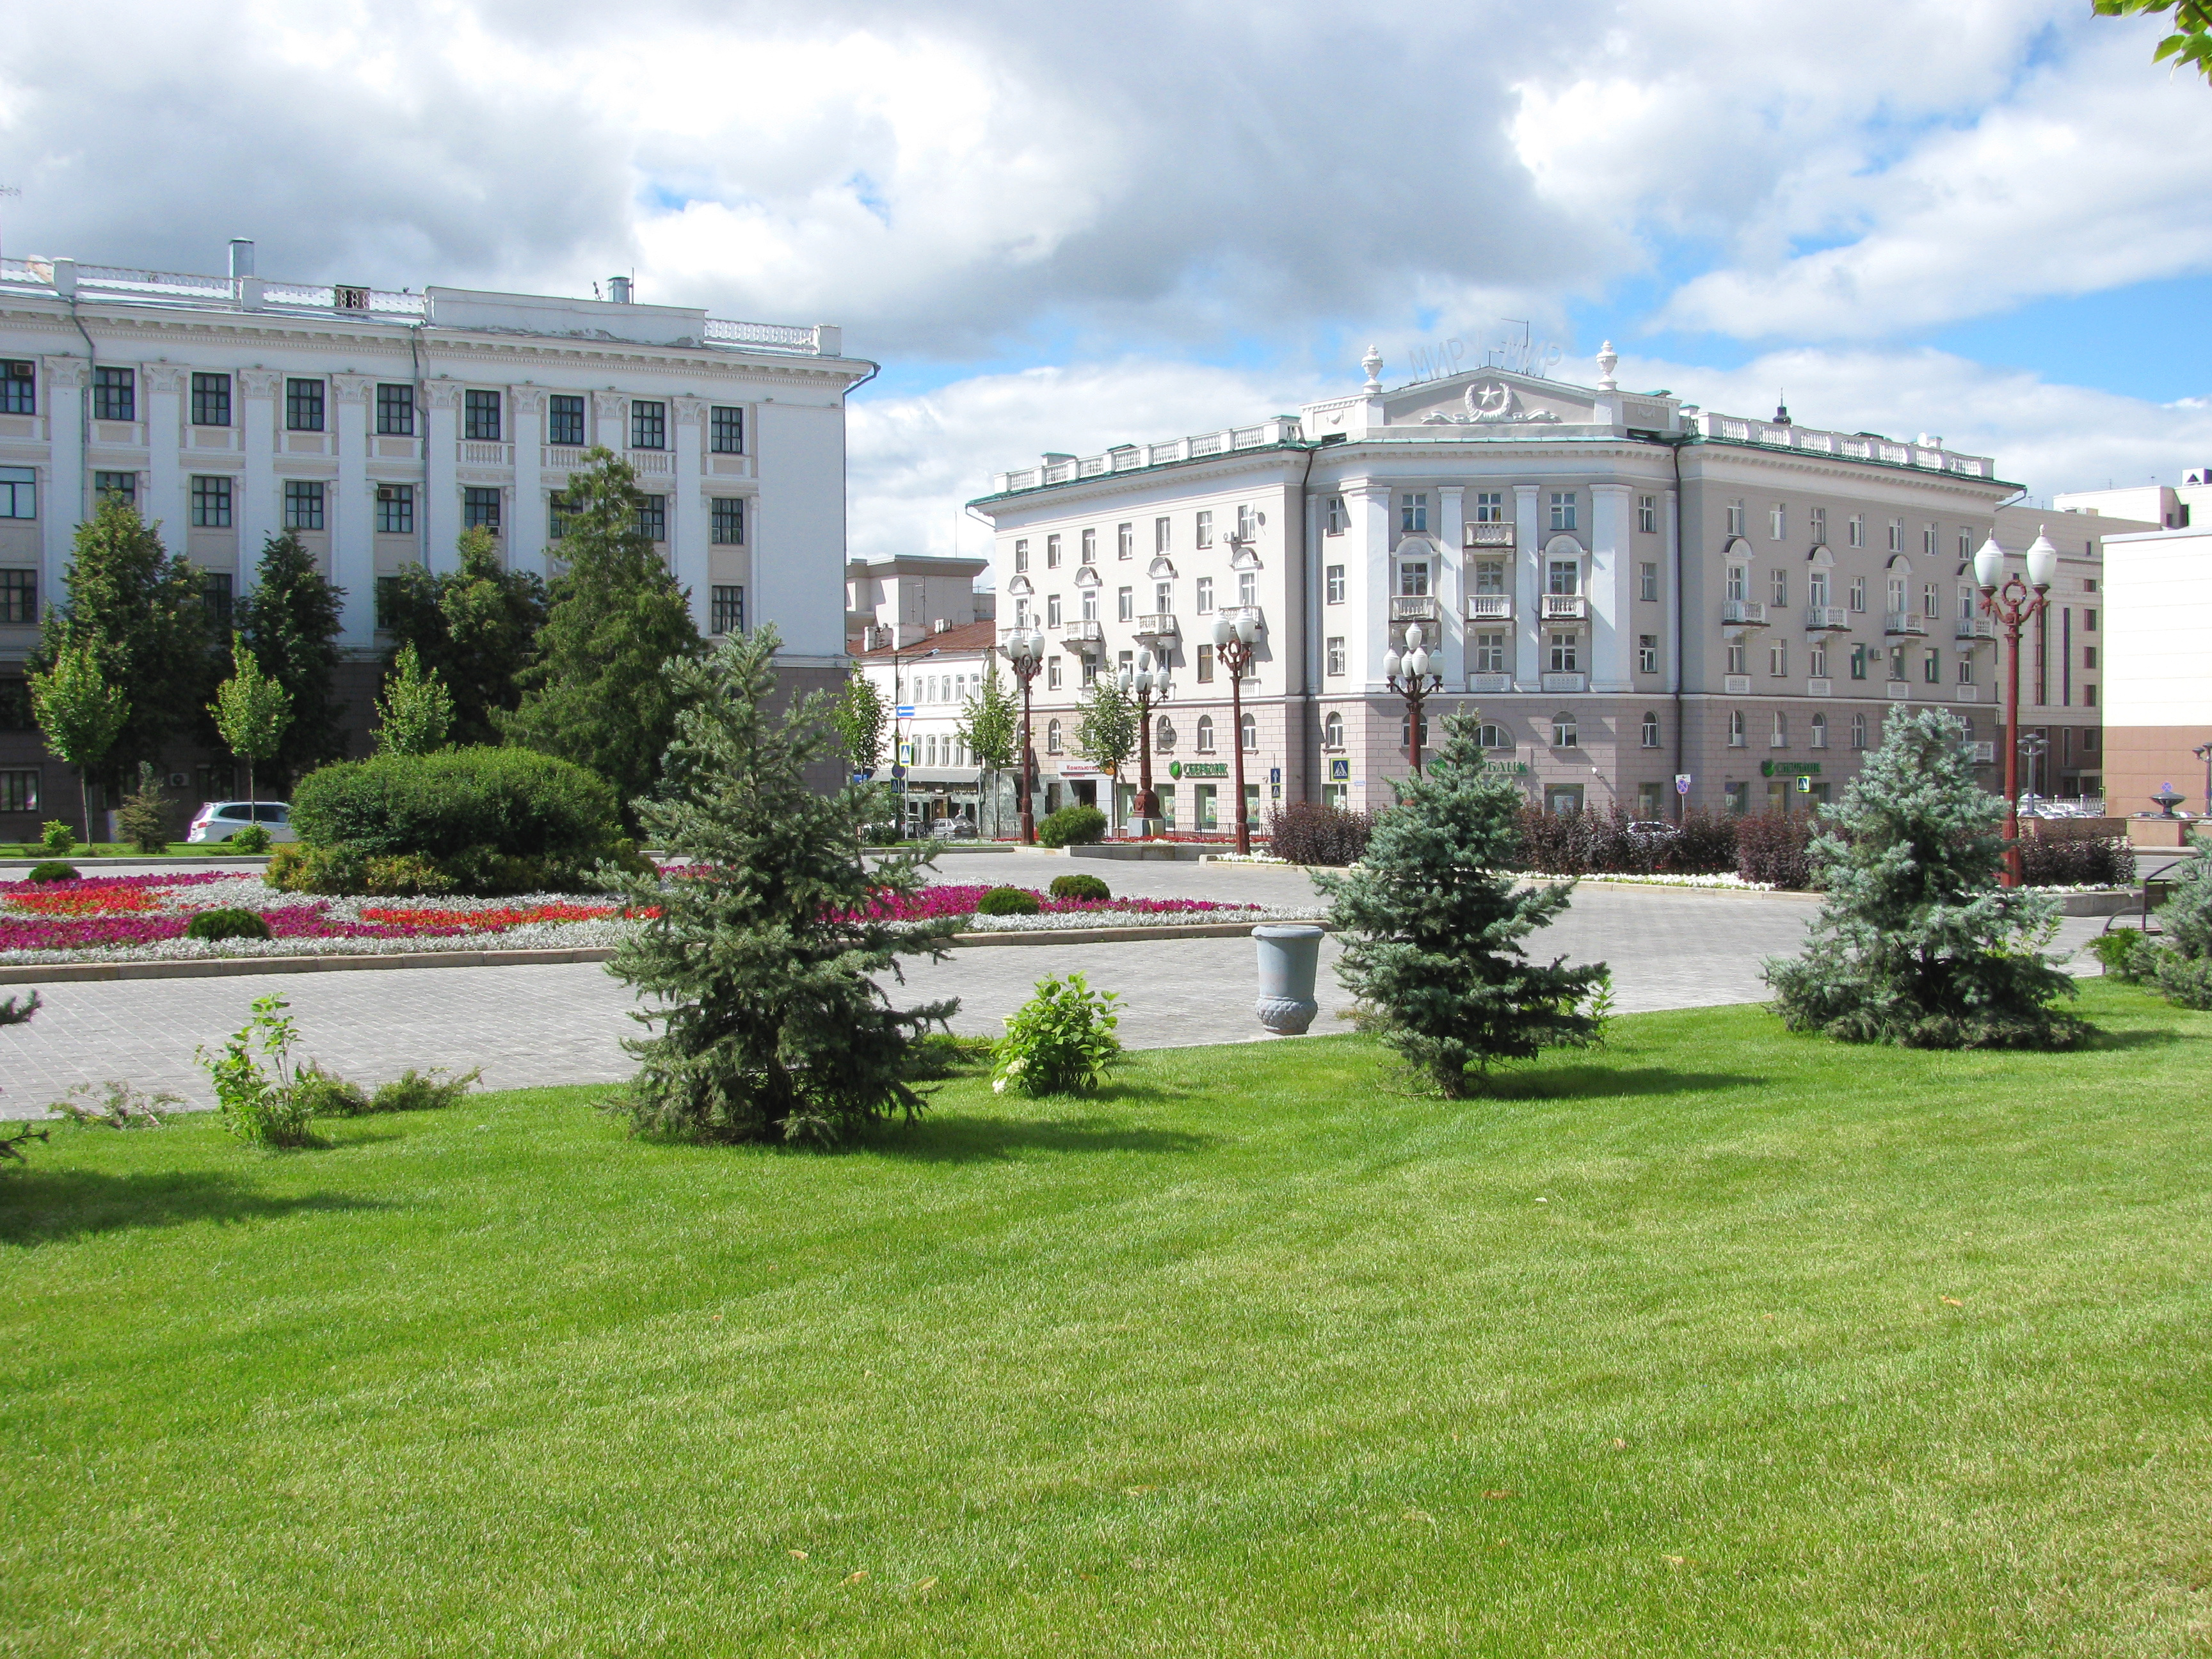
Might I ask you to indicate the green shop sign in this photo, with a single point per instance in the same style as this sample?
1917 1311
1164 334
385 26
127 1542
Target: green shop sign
1198 769
1511 769
1789 768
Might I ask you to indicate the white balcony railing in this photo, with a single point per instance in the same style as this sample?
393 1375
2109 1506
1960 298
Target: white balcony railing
1130 457
1984 753
1490 683
1566 607
476 452
1490 607
1822 616
1904 623
1743 613
1251 613
1157 625
1413 608
1083 636
1974 628
1557 682
1736 685
1488 535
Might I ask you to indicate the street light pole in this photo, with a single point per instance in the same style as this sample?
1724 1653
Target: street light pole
1145 683
2013 603
2203 752
1232 649
1024 649
1412 677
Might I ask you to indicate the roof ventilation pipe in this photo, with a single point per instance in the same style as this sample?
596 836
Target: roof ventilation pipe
618 290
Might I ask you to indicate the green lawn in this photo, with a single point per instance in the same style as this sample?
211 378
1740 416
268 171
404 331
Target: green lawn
1722 1342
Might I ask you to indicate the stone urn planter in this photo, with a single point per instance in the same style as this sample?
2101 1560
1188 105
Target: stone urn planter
1290 952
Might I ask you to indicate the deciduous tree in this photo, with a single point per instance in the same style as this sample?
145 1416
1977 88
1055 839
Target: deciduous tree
416 711
291 622
81 715
250 710
475 628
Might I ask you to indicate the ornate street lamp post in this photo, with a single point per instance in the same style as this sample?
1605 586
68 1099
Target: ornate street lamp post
1146 684
1232 648
2203 752
2014 603
1024 649
1412 676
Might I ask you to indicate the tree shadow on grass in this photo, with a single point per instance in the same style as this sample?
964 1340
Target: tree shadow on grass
953 1139
39 1206
1601 1082
2158 1037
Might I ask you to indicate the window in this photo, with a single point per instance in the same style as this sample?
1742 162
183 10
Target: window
648 424
1647 515
652 518
1489 653
1738 798
114 395
1413 579
1205 595
1413 514
2088 696
387 602
2088 656
1856 525
1204 732
1778 658
1247 588
1816 588
1021 553
564 421
1566 654
1739 581
2089 621
1205 538
1051 552
1928 541
1491 735
1490 575
1124 541
1164 596
1055 742
1052 675
1248 735
1896 662
726 435
1735 517
1897 535
1931 667
124 486
1333 517
1647 653
1778 586
1052 610
210 400
19 596
1125 604
1332 731
726 521
1163 535
480 416
1858 730
19 790
215 597
1647 582
303 504
395 412
1735 728
1858 593
1248 524
1164 740
19 388
1335 584
1563 576
1779 737
1490 506
1090 547
1562 509
1336 654
395 510
1816 523
210 503
303 406
480 509
1088 599
1965 668
1564 735
1899 602
726 613
1777 522
1932 605
1736 655
1650 730
1816 663
1205 665
19 492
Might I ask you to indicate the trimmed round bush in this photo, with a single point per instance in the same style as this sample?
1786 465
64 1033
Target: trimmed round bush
1088 888
226 924
251 841
55 870
1008 901
1073 826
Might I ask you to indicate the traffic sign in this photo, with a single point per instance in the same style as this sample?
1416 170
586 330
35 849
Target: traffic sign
1681 783
905 754
1274 774
863 776
904 711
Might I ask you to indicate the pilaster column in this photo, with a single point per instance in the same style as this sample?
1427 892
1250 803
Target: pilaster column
1612 600
164 386
1451 587
611 420
1527 590
61 502
353 547
528 529
441 489
1670 572
257 515
1368 503
687 535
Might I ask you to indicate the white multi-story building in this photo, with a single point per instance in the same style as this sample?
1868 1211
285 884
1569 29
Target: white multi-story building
1633 591
922 636
379 426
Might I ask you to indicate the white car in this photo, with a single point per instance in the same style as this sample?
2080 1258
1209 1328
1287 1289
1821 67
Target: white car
219 820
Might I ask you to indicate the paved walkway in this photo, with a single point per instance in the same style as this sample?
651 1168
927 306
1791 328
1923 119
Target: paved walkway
1668 949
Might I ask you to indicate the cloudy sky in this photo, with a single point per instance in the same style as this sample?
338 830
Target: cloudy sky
1058 230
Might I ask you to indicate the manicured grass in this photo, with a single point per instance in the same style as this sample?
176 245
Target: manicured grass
1722 1342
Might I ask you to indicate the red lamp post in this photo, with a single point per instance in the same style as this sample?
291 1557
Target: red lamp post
1024 649
1412 677
2013 603
1233 640
1147 684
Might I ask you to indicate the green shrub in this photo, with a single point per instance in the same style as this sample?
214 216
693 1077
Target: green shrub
406 875
938 1054
294 868
1008 901
2186 981
57 838
2123 952
144 817
489 820
1073 826
1088 888
423 1092
1059 1041
214 924
263 1108
324 1094
55 870
252 840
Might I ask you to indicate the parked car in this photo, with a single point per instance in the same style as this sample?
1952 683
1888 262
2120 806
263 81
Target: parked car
219 820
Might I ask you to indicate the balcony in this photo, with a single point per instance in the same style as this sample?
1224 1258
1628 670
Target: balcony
1565 607
1412 608
1743 613
1157 625
1490 607
1233 614
1905 625
1825 619
1736 685
1982 754
1974 628
1490 683
1488 535
1083 636
1565 683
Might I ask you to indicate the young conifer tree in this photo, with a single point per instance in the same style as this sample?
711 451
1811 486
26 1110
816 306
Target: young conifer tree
1434 921
764 956
1916 944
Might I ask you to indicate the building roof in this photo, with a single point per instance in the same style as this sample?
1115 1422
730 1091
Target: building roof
977 636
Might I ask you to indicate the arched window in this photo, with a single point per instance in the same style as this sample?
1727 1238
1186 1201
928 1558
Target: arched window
1332 731
1735 728
929 748
1650 730
1051 738
1563 731
1493 736
1248 733
1780 737
1206 734
1163 738
1820 730
1858 730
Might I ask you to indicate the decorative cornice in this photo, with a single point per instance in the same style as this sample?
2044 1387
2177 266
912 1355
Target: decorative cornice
689 409
165 378
528 399
259 382
443 394
65 374
609 406
352 388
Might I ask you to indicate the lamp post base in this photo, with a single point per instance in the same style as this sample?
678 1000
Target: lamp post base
1144 828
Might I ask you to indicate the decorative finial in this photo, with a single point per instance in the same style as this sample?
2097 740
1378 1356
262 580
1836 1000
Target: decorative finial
1372 362
1606 361
1780 406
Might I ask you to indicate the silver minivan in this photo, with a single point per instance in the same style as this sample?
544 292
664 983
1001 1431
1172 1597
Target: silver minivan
219 820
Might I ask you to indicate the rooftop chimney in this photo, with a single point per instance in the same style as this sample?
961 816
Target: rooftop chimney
241 256
618 290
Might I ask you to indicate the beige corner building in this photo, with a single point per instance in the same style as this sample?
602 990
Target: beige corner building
2158 686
